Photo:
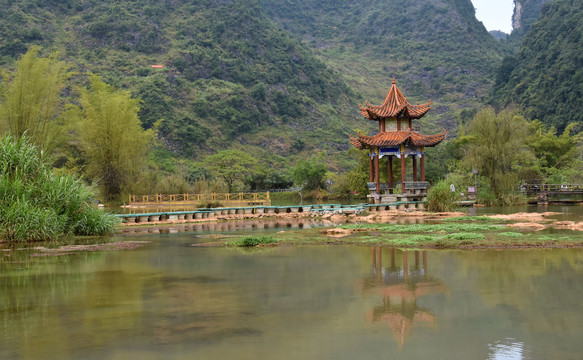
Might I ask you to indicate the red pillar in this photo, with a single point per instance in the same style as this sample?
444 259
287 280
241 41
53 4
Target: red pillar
384 124
422 165
403 170
390 158
414 161
371 175
410 125
376 172
398 124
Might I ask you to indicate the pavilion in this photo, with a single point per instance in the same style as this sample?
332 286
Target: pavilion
396 138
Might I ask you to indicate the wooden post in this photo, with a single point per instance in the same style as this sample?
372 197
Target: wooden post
422 165
398 124
414 161
384 124
390 158
376 172
403 169
410 125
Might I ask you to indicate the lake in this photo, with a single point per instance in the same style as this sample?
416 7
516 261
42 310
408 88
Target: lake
170 300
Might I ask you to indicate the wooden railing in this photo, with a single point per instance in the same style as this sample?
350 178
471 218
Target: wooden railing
537 188
197 198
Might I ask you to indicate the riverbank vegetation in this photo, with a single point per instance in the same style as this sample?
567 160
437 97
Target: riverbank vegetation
457 232
37 205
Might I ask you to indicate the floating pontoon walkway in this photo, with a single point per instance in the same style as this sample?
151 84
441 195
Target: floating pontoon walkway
235 212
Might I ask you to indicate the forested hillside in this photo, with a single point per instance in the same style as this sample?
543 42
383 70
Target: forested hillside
437 50
233 77
545 78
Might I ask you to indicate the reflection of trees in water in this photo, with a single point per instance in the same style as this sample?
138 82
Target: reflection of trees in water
401 284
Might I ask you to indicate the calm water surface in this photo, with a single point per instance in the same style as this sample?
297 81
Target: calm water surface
169 300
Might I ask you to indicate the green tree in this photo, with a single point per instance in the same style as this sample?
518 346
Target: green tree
30 99
310 174
496 144
555 155
231 166
115 144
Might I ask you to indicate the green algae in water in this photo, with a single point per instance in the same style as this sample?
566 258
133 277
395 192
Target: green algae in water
511 234
464 236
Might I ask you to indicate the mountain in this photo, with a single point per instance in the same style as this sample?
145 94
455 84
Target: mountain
545 78
276 78
437 50
526 12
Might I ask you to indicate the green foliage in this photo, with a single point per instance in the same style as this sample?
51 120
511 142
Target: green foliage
556 157
248 241
464 236
37 205
546 77
113 141
511 234
30 101
497 144
231 166
264 178
440 197
310 174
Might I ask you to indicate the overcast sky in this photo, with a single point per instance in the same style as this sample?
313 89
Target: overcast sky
495 14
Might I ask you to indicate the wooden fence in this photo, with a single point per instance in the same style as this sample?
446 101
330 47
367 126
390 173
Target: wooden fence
178 199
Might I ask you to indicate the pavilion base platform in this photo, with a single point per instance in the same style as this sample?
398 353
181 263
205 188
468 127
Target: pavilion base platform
414 197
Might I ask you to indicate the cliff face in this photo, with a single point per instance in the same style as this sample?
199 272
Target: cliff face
525 13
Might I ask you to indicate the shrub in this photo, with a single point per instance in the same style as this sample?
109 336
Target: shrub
440 197
253 241
37 205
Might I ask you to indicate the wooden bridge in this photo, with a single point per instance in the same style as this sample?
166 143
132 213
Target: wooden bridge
194 199
561 193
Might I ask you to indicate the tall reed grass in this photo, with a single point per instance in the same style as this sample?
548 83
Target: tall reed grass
36 205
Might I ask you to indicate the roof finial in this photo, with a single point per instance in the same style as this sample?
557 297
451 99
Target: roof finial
394 80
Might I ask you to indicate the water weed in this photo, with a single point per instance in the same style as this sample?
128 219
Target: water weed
252 241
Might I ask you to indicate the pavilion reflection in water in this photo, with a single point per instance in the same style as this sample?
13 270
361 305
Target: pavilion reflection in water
400 284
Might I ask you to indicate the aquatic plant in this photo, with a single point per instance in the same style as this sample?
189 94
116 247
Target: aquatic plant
464 236
252 241
511 234
421 238
36 204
